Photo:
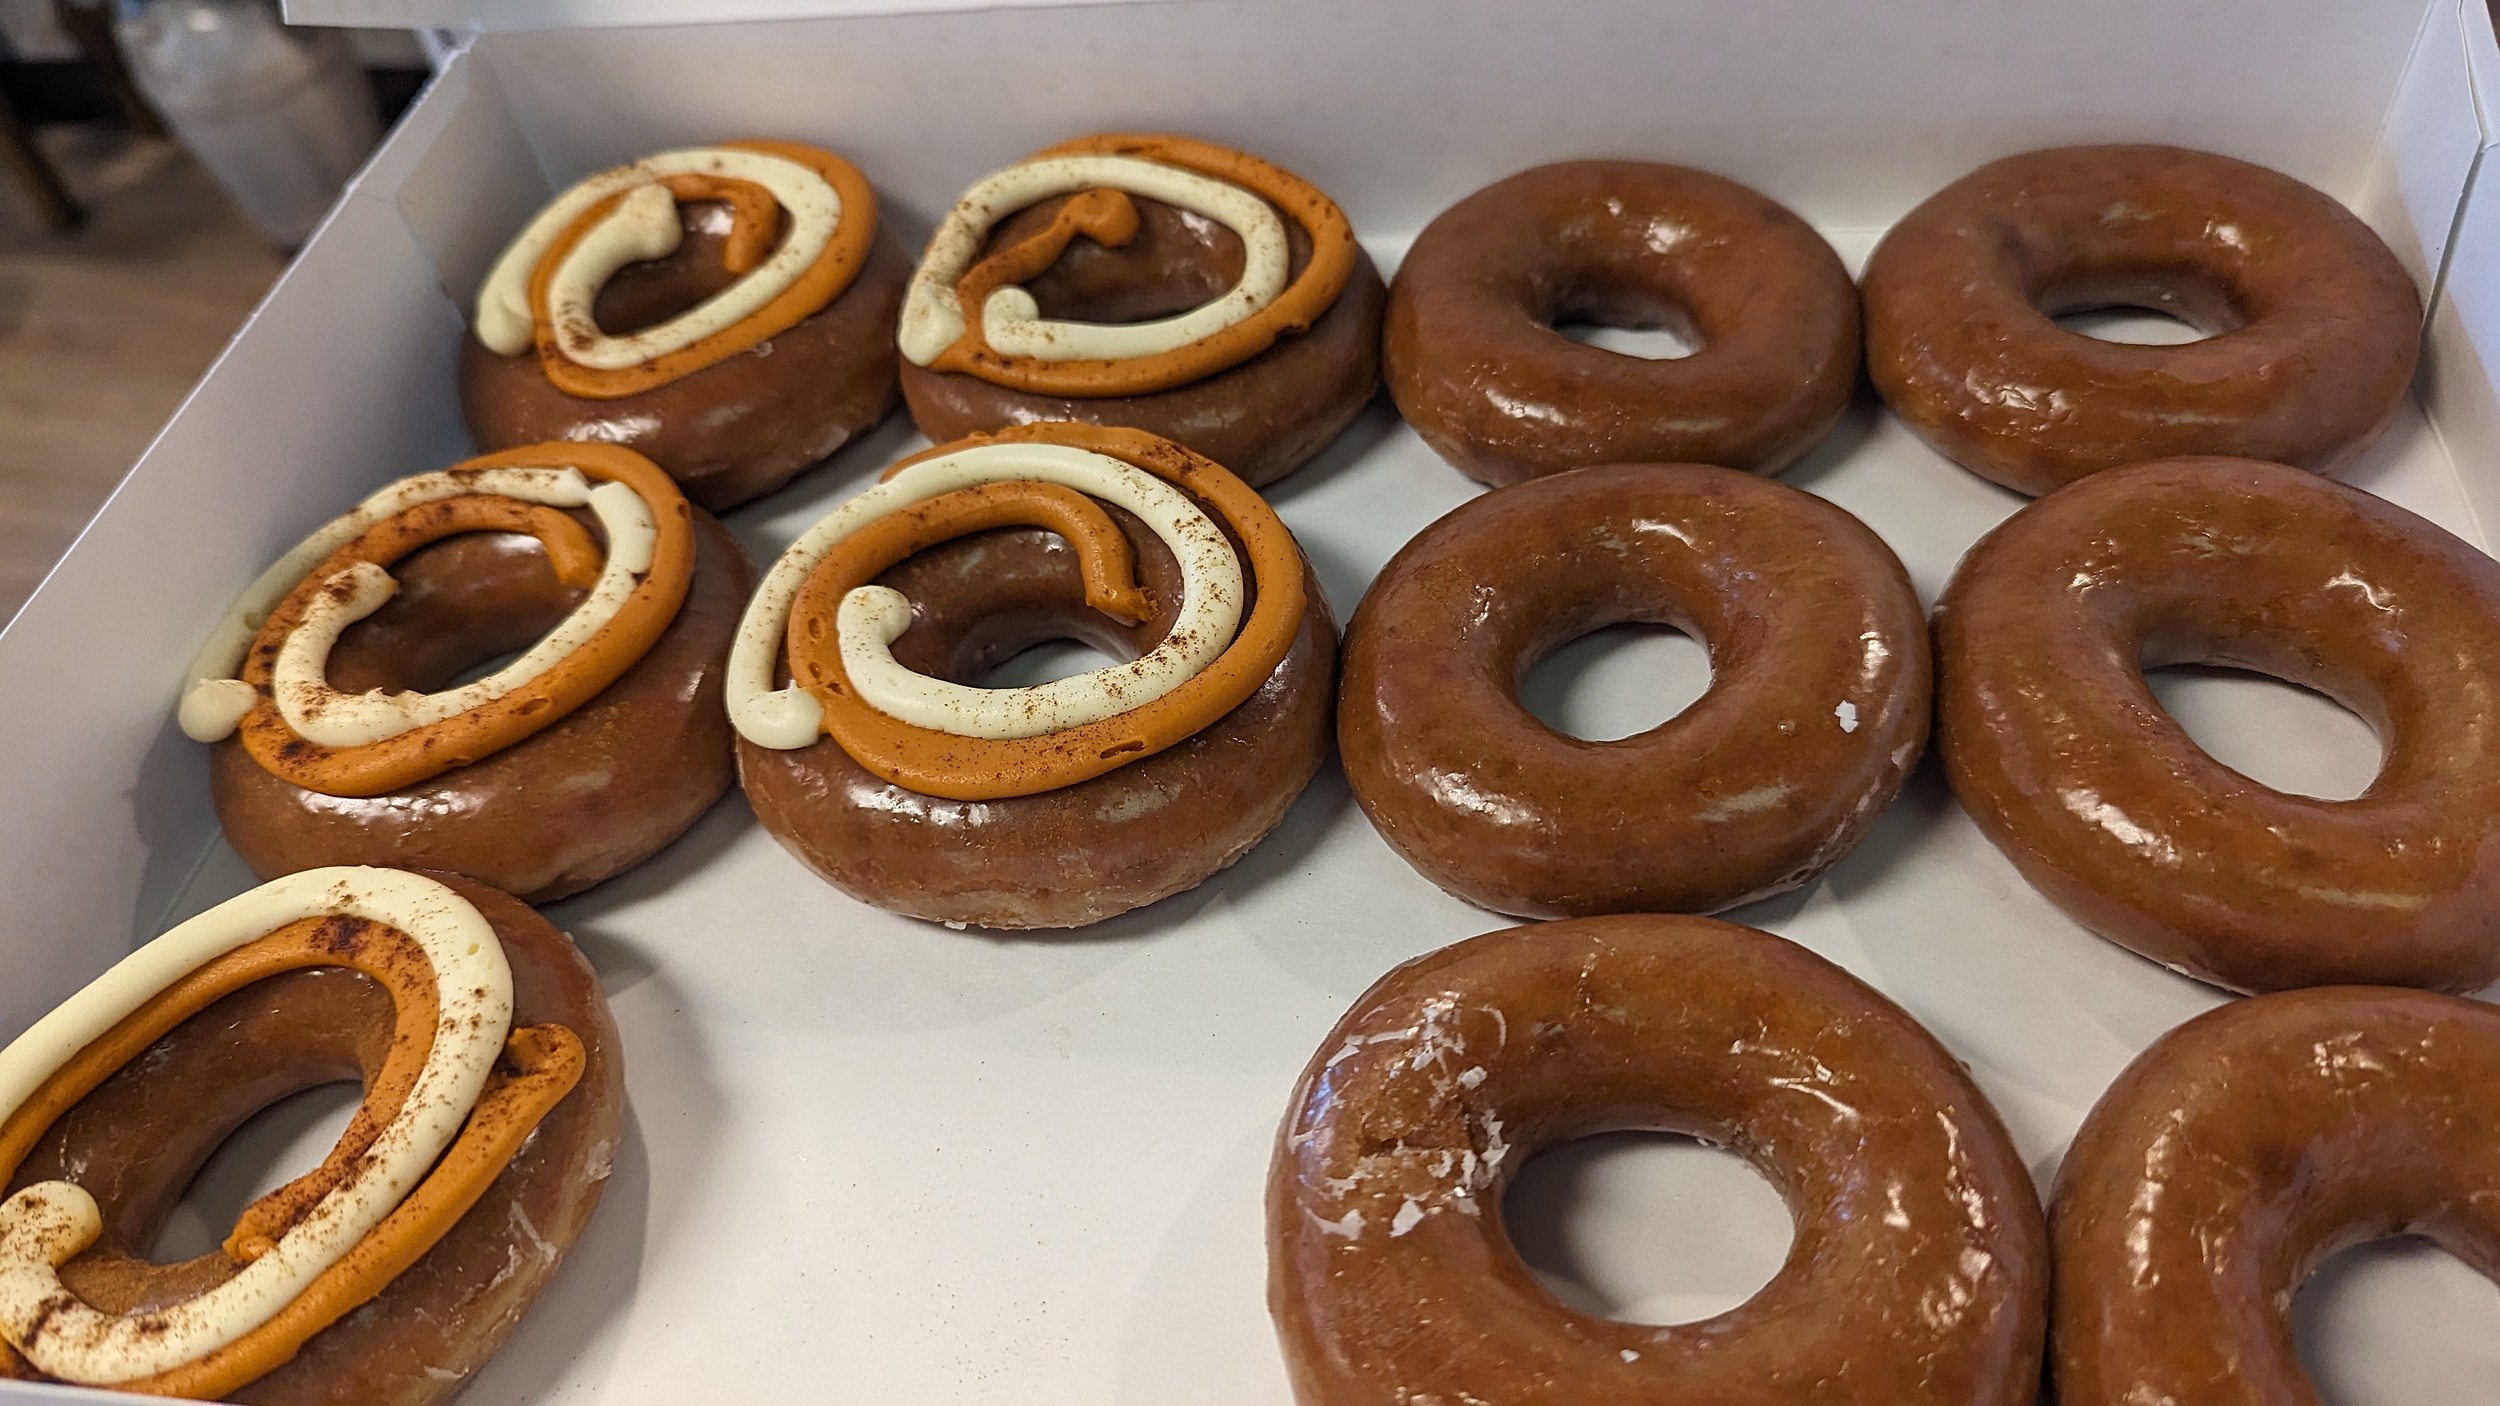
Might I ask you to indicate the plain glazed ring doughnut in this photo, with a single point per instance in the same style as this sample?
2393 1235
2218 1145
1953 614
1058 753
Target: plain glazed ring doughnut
329 687
1477 368
2311 326
2239 1152
1816 712
866 753
2065 759
1919 1271
390 1273
726 310
1173 286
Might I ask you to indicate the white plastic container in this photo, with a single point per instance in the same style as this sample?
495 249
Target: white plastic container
281 117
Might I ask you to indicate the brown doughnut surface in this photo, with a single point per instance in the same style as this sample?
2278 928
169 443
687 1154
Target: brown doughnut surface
1919 1271
1477 368
1816 712
138 1140
2311 326
1081 853
2066 760
1262 419
731 431
2237 1154
576 803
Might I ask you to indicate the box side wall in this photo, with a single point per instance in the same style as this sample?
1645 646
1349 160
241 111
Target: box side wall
1848 112
312 403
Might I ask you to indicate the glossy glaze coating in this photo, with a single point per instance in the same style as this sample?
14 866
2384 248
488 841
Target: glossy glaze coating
1919 1269
1817 707
2238 1153
138 1140
578 803
1477 368
1261 419
2062 755
1081 853
2311 326
731 431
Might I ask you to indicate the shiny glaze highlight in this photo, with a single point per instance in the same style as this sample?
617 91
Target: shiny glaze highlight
2065 759
1477 368
1919 1269
2236 1155
1816 712
2311 326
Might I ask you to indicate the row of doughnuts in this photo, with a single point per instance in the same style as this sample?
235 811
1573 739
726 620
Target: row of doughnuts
1217 300
697 298
2225 1163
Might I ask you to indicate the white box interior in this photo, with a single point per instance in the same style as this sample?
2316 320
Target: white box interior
910 1164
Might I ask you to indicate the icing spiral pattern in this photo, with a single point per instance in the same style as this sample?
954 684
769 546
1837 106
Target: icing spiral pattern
803 220
966 312
819 614
264 670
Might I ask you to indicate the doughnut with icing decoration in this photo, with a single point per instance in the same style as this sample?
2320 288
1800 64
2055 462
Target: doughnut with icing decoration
1919 1274
2239 1152
1169 285
727 311
1816 712
2060 752
390 1273
866 753
344 734
2311 327
1477 368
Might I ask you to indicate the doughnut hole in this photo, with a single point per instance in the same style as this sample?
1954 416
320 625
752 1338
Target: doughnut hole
495 597
2157 307
648 292
2275 732
1625 318
1646 1227
2396 1321
1617 681
278 1144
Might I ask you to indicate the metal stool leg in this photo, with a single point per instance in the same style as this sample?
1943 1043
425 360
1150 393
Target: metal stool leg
43 185
91 25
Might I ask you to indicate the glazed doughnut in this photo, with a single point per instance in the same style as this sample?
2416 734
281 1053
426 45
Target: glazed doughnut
2310 325
1817 708
1058 804
726 310
394 1270
328 688
1214 299
1919 1272
2241 1151
1477 368
2066 760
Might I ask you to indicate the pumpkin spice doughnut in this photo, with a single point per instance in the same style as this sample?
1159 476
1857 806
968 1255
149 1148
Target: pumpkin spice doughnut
2069 764
727 311
393 1271
866 754
2240 1152
1816 712
2311 327
329 690
1477 368
1185 289
1919 1271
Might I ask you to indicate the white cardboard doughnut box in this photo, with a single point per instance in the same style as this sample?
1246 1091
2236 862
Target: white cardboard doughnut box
877 1159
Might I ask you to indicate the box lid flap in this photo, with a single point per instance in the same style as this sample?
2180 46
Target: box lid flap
601 14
